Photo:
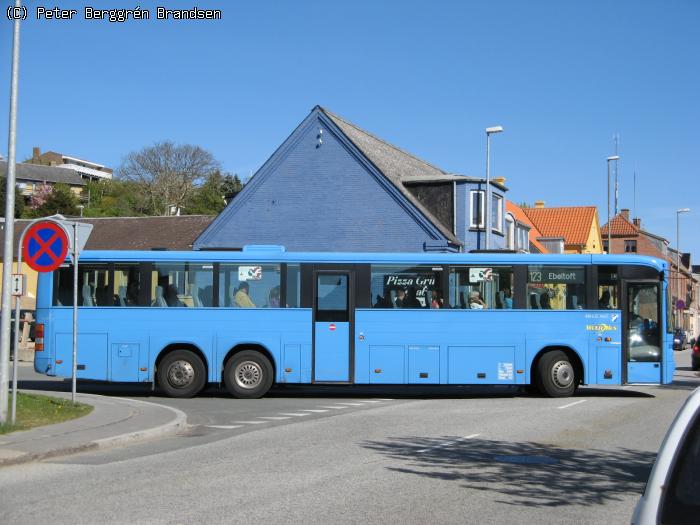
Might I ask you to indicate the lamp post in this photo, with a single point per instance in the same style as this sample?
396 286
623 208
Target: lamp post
610 159
9 222
678 261
487 197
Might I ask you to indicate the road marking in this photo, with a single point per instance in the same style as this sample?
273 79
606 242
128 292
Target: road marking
380 399
273 418
294 414
334 408
250 422
448 443
226 427
574 403
351 404
371 401
312 410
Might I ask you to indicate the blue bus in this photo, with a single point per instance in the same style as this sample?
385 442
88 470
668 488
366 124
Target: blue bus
252 318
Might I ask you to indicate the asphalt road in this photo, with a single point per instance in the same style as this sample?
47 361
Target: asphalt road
361 456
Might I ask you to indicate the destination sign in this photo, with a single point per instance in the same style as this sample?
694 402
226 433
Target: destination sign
556 274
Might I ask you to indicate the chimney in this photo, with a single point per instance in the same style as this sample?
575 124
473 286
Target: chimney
625 213
539 204
36 152
637 222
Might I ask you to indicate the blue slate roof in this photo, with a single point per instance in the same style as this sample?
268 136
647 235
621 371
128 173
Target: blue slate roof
345 183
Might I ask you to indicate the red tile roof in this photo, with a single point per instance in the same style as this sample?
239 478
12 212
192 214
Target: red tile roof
620 226
519 215
573 223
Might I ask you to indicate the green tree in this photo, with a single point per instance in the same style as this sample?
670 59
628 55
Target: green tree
168 173
114 198
19 199
231 186
211 197
59 200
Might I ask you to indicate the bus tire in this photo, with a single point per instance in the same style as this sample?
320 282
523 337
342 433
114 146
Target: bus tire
181 373
248 375
556 376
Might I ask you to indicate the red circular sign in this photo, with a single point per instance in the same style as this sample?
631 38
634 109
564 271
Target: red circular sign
331 327
45 246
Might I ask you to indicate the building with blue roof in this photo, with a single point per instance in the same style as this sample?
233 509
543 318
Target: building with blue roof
332 186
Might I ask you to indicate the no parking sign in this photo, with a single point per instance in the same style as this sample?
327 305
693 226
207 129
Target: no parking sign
45 246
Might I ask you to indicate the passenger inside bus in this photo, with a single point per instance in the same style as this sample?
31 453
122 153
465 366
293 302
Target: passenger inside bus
544 301
273 300
171 298
241 297
475 301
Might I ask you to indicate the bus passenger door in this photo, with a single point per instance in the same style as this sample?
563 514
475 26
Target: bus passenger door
642 331
333 317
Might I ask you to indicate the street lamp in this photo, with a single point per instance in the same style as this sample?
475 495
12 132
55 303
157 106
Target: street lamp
678 261
487 197
610 159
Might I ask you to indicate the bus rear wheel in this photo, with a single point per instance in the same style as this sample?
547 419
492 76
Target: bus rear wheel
556 376
181 373
248 375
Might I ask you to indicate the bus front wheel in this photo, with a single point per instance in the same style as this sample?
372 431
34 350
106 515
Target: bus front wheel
556 376
248 375
181 374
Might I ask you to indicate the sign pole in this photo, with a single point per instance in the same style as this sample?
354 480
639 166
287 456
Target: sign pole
15 342
46 243
75 310
15 357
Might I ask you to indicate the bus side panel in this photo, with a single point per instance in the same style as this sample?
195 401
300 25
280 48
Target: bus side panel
438 347
475 346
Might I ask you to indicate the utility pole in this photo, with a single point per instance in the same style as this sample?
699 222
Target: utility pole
7 258
610 159
616 136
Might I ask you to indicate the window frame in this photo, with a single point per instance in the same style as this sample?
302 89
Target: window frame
480 204
497 205
510 231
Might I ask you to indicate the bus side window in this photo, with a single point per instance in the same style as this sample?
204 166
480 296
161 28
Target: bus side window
608 291
127 285
63 286
293 286
406 287
556 287
93 286
481 287
249 285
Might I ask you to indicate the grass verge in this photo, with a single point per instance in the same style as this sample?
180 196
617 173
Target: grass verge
34 411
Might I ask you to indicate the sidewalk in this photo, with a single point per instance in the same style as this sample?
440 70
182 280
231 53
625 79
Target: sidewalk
114 421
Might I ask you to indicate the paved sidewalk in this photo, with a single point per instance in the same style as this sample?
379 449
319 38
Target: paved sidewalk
113 422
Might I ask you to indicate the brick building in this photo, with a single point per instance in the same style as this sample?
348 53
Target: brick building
627 236
86 168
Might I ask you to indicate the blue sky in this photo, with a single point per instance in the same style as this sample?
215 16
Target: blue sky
560 77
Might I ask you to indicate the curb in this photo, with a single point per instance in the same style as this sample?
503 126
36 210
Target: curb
178 423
